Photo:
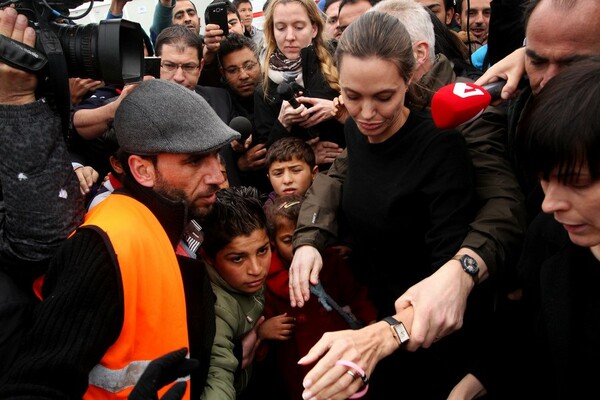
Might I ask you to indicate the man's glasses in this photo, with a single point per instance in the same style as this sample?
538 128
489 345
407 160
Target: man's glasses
172 67
247 66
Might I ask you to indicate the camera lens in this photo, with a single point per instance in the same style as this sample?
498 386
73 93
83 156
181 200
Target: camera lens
112 51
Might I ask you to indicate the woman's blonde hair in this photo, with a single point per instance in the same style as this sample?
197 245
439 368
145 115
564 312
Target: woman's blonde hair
325 58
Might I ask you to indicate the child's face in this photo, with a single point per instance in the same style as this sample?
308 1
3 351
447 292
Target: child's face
291 177
283 239
245 261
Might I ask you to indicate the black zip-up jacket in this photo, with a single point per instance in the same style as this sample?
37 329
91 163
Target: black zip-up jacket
266 110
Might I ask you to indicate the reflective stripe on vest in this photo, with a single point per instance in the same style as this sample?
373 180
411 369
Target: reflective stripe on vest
116 380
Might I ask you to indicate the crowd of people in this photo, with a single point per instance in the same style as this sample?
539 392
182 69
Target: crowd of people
276 213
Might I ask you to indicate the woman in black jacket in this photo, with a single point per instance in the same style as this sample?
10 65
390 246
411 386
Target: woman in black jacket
296 53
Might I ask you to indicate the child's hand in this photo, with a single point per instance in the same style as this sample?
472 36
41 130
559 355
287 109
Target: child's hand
277 328
87 177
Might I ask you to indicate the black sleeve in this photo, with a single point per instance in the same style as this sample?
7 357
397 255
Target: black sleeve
266 125
506 29
79 319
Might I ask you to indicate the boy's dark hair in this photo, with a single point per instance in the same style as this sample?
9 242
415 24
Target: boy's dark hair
109 140
178 35
237 3
110 143
234 42
238 211
287 207
286 148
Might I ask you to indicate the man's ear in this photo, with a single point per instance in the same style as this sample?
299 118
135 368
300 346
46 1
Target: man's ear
457 18
142 170
421 52
116 165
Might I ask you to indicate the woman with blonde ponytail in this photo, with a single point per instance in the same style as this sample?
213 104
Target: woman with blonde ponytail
296 53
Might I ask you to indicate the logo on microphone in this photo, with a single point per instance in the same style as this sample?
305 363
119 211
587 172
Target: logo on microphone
464 90
458 103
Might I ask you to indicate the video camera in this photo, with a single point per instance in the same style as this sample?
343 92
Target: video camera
111 51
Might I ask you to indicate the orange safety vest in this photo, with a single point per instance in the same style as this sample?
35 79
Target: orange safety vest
154 300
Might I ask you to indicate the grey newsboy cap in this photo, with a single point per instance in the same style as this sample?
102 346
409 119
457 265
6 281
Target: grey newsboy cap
163 117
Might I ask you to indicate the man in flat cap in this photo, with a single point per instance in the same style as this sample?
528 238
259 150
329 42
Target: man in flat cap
126 287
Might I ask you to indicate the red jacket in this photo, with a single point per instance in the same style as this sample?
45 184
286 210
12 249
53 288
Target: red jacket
312 320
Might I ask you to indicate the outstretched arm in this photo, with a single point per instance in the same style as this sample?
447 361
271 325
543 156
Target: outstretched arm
364 347
316 229
511 68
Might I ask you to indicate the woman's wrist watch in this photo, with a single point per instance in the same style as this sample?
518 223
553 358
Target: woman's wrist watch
398 330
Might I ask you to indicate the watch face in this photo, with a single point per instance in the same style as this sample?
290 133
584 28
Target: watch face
470 265
401 332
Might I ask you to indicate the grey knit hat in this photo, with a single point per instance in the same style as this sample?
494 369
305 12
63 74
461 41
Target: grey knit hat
163 117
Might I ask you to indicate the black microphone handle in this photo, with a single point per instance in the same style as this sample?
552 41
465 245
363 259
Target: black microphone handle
293 102
495 88
287 93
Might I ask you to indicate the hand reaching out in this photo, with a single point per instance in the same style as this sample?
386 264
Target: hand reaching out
87 177
511 68
365 347
78 87
254 157
305 269
279 327
439 302
325 151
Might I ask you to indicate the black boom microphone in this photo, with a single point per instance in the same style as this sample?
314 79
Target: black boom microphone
287 93
243 126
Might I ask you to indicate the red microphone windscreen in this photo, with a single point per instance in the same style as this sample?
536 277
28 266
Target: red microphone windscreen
457 103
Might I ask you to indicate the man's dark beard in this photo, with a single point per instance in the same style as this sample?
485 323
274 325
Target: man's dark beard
178 195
